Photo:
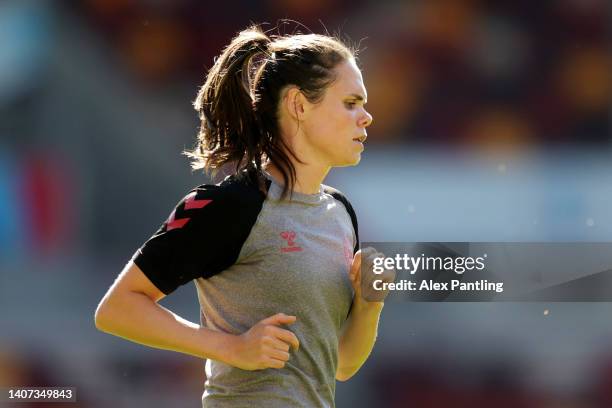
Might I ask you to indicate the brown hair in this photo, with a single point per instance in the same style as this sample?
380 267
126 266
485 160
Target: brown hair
239 111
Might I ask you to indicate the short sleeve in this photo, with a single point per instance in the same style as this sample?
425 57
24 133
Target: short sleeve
202 236
338 195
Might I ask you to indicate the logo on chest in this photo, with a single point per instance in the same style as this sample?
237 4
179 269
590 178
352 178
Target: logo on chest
290 245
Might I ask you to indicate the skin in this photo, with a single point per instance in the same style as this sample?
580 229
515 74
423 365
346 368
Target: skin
322 135
361 327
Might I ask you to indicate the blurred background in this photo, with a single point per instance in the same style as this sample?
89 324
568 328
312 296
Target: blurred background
491 123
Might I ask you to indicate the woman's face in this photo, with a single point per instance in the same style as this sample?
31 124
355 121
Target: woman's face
334 128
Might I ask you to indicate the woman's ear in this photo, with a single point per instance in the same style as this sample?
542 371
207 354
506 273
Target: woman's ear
294 103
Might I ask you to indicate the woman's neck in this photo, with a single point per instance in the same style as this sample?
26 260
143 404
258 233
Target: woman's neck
308 179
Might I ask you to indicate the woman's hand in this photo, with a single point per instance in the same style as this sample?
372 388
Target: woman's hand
363 283
265 345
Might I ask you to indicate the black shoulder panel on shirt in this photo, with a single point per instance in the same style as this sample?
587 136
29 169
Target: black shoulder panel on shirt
203 234
349 208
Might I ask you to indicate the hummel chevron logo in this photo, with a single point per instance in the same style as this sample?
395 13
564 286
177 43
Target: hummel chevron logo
289 236
190 204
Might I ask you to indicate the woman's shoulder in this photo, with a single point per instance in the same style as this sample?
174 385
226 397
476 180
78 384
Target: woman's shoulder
338 195
235 199
231 197
235 187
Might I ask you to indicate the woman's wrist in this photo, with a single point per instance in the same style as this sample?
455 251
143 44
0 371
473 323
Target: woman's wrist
217 345
363 306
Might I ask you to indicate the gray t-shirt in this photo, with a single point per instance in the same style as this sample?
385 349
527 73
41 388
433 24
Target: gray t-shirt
294 258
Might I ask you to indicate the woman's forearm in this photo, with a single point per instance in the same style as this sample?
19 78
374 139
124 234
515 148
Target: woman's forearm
358 337
136 317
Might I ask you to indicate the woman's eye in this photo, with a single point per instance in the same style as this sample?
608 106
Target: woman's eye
350 105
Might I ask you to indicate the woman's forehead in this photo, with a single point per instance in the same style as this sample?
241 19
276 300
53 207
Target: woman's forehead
349 80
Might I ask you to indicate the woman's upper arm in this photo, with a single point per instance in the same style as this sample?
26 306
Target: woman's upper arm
133 279
130 283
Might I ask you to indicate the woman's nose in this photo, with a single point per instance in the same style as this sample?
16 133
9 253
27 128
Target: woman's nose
366 120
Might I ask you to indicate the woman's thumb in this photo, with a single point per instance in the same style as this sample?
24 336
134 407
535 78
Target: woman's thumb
278 319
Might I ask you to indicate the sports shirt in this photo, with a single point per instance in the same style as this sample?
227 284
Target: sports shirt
252 255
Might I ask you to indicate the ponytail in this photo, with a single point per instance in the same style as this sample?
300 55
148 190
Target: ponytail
229 131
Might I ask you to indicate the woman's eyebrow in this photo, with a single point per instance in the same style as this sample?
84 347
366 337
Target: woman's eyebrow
358 97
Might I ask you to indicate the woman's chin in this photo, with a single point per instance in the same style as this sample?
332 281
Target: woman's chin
353 161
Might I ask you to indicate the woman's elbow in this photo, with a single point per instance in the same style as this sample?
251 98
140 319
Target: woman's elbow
102 316
344 374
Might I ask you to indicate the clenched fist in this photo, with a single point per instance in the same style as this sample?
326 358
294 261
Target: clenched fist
265 345
362 276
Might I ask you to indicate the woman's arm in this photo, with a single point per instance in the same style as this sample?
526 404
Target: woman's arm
130 310
358 337
360 329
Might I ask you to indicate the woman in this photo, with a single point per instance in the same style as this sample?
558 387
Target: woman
270 248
